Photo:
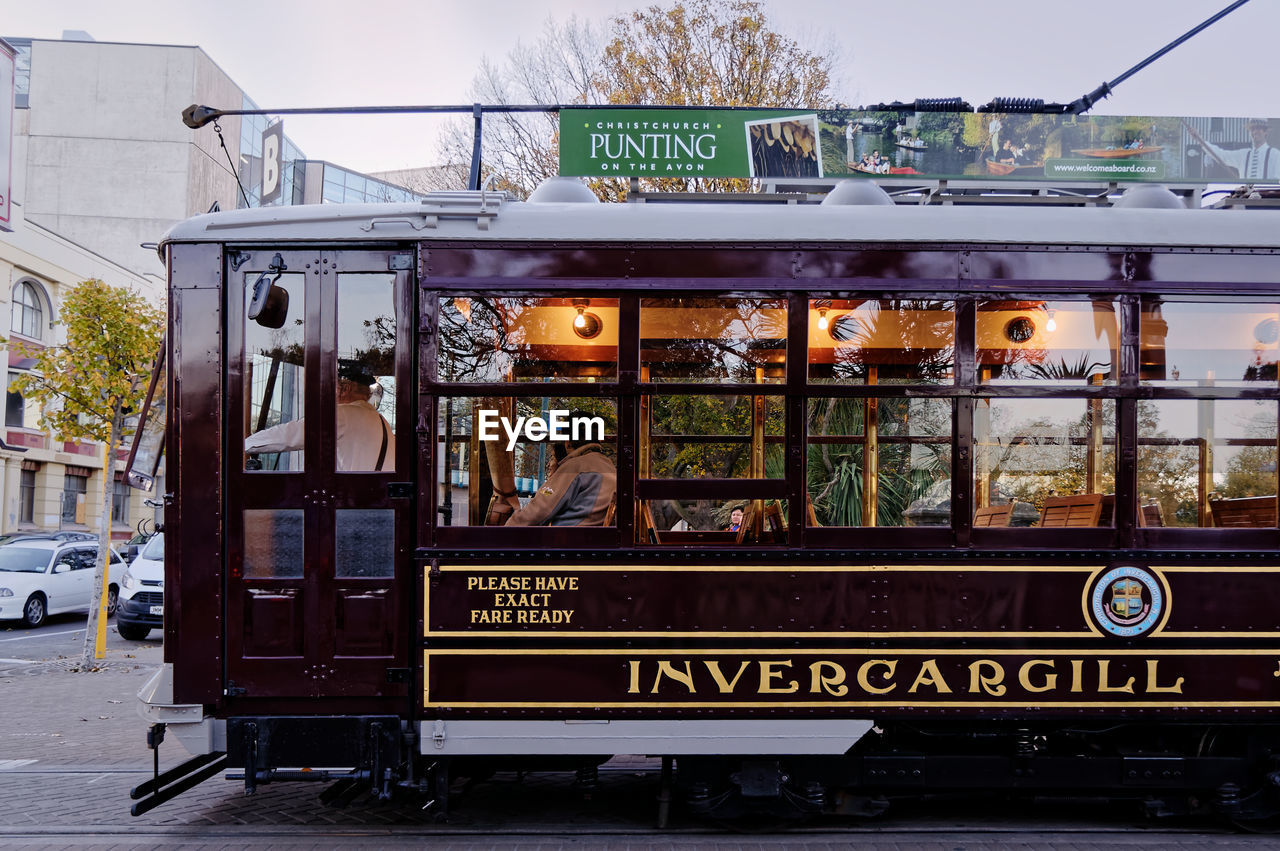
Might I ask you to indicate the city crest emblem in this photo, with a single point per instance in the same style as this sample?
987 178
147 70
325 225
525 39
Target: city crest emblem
1127 601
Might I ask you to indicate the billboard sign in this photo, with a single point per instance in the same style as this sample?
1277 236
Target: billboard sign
779 144
7 65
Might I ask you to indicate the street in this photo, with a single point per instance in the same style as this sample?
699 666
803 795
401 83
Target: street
72 745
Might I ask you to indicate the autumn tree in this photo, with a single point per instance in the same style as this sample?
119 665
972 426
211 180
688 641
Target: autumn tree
86 385
692 53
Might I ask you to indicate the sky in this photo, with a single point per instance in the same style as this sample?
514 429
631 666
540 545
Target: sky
310 53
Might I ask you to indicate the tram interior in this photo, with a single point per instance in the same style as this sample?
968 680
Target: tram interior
1045 380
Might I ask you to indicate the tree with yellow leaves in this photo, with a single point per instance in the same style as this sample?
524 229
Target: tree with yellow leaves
692 53
86 385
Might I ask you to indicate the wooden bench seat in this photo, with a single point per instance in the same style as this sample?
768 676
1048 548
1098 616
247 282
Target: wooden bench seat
1252 512
1078 510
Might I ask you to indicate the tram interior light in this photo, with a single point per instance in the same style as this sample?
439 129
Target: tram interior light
1052 324
822 319
580 321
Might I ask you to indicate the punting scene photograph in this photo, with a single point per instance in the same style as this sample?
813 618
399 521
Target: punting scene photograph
713 423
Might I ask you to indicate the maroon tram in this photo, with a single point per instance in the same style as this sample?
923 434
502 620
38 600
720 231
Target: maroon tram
1006 474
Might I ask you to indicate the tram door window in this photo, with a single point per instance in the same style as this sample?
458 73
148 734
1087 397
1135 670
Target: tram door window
1052 460
1066 343
366 380
1207 462
496 456
319 575
275 381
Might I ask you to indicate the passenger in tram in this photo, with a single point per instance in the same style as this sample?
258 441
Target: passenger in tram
735 519
578 493
366 442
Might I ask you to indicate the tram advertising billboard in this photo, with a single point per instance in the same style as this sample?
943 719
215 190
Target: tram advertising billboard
773 143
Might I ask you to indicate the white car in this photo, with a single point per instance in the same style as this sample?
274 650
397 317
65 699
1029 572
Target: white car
142 592
45 576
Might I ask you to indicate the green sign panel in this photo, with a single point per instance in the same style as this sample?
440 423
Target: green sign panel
776 143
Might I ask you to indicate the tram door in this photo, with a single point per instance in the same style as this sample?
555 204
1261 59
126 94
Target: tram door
320 421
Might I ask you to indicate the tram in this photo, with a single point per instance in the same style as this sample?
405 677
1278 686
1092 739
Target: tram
909 498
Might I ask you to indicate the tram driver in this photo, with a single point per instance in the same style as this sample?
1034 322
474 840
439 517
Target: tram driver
366 442
578 493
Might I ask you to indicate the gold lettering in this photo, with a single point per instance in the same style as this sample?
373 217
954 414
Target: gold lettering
1024 676
934 678
991 684
684 677
864 671
1153 687
1077 675
768 674
726 686
634 667
1104 686
830 683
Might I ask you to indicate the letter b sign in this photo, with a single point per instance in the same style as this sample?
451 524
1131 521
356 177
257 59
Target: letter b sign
272 145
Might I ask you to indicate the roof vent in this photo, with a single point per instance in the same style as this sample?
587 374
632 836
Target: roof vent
1149 197
563 190
857 192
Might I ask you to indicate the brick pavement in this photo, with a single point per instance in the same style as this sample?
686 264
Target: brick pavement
72 745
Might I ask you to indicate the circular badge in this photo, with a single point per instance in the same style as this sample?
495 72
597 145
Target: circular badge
1127 601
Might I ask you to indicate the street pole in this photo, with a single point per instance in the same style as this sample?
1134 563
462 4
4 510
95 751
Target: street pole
100 641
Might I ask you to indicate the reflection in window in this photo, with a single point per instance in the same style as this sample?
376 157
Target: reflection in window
870 341
1071 343
366 543
274 382
273 543
713 340
713 437
496 339
1051 460
896 473
482 482
1207 462
366 384
1209 344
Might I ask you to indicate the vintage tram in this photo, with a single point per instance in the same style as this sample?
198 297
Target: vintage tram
1006 475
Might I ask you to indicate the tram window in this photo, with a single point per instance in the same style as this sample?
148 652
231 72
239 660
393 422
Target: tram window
366 540
1209 344
1070 343
881 341
366 373
275 381
713 340
909 480
1035 453
273 543
704 521
470 471
1206 462
512 338
713 437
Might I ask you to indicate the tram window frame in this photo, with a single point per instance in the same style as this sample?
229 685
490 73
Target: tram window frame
796 389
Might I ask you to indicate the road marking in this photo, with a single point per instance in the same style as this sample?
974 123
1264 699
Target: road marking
23 661
10 764
41 635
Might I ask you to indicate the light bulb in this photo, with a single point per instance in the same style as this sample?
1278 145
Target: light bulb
580 321
822 319
1052 324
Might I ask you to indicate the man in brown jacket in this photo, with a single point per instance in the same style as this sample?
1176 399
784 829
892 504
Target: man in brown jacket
577 494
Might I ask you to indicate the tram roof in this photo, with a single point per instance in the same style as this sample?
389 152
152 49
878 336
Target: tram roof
729 222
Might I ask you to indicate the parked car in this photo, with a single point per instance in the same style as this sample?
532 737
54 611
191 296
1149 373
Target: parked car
42 576
142 592
130 548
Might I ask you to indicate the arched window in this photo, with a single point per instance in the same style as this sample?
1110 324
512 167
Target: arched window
28 310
